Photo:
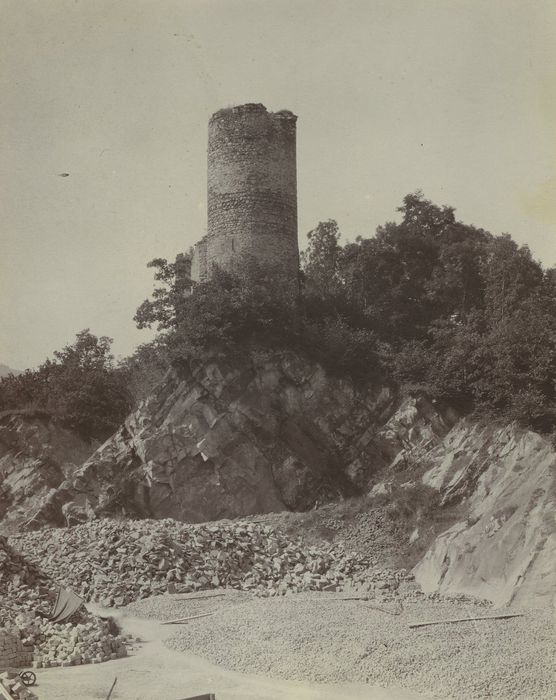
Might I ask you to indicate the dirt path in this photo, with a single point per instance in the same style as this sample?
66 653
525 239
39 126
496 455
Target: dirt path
154 671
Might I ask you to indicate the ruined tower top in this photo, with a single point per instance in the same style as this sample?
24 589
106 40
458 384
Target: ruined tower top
252 190
252 108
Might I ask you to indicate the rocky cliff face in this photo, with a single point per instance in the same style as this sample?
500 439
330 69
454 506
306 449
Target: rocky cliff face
271 432
505 548
274 432
35 457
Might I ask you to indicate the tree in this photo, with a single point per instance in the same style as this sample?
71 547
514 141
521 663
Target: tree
510 276
321 260
424 216
254 303
86 392
398 276
435 304
168 298
81 388
145 368
519 363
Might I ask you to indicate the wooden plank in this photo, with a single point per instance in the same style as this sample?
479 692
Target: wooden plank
186 619
463 619
198 597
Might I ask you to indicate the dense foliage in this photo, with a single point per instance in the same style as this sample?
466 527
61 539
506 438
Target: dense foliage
81 388
430 302
463 315
258 305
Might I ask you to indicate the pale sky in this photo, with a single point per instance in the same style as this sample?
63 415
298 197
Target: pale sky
453 97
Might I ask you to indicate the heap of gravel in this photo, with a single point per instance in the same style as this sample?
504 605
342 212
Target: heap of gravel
170 607
315 637
369 532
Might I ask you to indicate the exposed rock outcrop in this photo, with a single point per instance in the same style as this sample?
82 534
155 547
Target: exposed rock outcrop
505 549
36 455
271 432
274 432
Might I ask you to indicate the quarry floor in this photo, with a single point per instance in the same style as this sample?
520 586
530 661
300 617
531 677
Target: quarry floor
155 671
309 647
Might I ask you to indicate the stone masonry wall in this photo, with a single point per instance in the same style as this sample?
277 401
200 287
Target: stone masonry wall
12 651
199 268
252 190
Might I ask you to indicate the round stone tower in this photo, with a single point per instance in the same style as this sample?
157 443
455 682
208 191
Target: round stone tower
252 189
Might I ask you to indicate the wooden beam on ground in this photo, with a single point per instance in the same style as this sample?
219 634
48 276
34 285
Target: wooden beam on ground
186 619
463 619
112 688
4 692
199 597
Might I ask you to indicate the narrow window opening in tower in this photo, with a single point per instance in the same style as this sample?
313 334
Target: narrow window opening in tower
233 245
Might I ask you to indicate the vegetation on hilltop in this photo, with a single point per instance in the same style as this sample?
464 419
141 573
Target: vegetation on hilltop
81 388
434 304
429 303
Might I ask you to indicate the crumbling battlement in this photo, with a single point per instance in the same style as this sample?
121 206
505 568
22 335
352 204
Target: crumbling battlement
252 190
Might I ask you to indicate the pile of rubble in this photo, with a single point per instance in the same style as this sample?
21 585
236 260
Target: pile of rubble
26 596
114 563
92 641
23 586
14 686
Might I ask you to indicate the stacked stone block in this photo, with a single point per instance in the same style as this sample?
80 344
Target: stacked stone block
28 638
13 653
199 266
73 645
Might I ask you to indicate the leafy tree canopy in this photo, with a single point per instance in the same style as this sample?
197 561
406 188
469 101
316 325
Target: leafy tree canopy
80 387
429 303
435 304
